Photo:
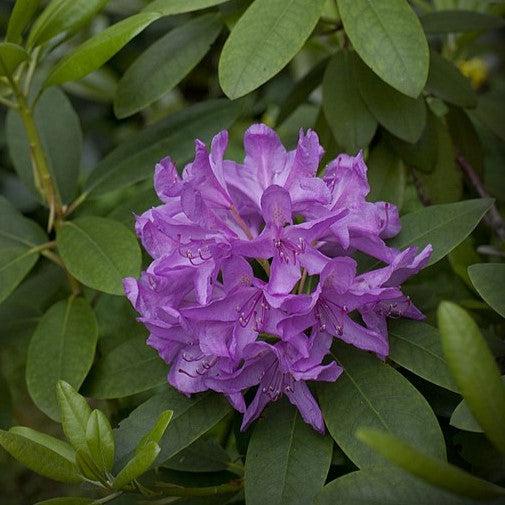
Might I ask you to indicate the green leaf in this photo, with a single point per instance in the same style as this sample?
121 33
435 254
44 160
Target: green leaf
301 90
133 161
432 470
462 419
138 465
66 338
15 264
75 413
386 176
489 281
264 40
169 7
385 486
130 368
99 252
67 500
403 116
58 125
454 21
163 65
100 440
474 370
389 38
488 112
93 53
416 346
11 56
372 394
54 444
21 15
351 123
157 431
39 457
87 467
192 418
287 461
446 82
16 230
63 16
442 226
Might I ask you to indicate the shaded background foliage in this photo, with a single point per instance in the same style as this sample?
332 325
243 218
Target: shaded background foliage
417 85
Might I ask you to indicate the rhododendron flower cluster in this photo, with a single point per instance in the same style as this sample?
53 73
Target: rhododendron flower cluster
253 276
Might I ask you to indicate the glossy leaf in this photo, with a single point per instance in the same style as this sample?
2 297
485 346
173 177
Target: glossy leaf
66 338
21 15
474 370
489 281
389 38
74 413
99 252
39 457
58 125
130 368
287 461
157 431
52 443
385 486
454 21
192 418
448 83
169 7
100 440
350 121
93 53
133 161
15 264
416 346
403 116
428 468
163 65
372 394
11 56
442 226
264 40
138 465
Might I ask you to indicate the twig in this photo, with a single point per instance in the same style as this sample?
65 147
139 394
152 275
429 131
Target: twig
493 218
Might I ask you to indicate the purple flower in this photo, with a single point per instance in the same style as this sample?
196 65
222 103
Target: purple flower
252 274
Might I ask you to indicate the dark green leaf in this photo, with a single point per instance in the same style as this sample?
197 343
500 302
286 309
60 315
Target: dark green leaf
372 394
192 418
287 461
454 21
99 252
58 125
75 413
93 53
163 65
134 160
67 500
442 226
346 113
15 263
403 116
63 16
66 338
157 431
100 440
169 7
21 15
11 55
488 112
39 457
130 368
432 470
462 419
264 40
389 38
489 281
446 82
138 465
416 346
474 370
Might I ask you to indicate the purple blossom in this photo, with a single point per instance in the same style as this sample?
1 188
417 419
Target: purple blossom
253 277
